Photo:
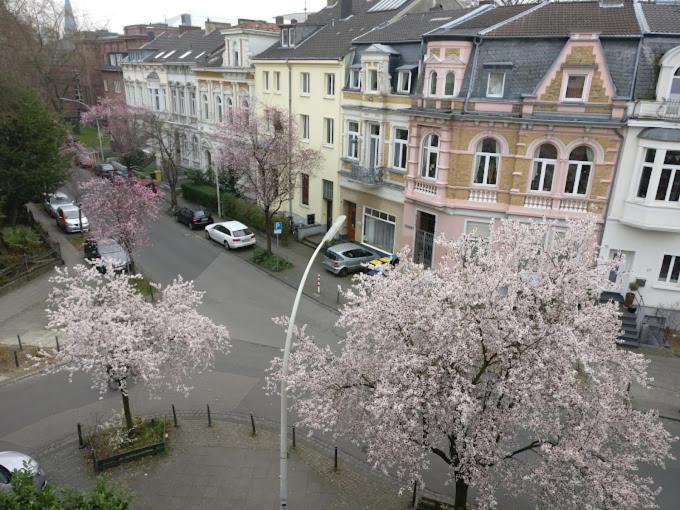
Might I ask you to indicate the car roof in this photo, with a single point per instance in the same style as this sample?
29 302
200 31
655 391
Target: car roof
15 460
109 242
59 194
233 225
339 248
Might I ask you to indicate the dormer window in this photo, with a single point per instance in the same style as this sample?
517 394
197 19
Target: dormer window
404 82
355 79
288 38
236 56
433 83
575 87
373 80
284 37
675 85
449 84
495 84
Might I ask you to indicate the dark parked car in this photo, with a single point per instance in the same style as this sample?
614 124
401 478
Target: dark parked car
119 169
104 170
347 258
194 218
107 252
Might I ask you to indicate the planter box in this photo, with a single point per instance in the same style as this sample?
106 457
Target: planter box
102 463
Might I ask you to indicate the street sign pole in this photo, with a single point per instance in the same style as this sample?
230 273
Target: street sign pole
278 229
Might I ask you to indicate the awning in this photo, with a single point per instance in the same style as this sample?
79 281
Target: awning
660 134
407 67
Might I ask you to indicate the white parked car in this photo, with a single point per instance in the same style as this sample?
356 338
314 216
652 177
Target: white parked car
231 234
69 220
55 200
15 461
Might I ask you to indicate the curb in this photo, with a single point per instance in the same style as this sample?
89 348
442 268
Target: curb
28 376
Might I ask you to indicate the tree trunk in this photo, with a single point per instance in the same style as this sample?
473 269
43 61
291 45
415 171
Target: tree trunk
128 414
268 230
460 502
13 214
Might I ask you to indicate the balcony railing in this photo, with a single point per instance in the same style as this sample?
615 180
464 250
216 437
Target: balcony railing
370 176
538 202
488 196
426 188
669 110
574 205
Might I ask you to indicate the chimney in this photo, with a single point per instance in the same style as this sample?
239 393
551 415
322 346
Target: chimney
345 8
187 28
186 19
278 20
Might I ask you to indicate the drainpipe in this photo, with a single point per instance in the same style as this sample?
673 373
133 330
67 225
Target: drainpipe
290 139
478 42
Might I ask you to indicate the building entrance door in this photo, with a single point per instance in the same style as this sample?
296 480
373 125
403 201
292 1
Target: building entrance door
351 221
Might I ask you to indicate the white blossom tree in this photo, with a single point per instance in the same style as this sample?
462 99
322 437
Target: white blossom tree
501 362
112 333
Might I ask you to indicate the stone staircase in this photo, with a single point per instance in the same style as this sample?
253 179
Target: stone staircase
630 336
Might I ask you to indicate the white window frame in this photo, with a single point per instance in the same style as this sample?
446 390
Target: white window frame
542 163
399 148
453 91
173 100
265 80
205 104
116 86
304 123
425 153
180 101
305 84
487 159
586 87
404 78
370 74
328 132
277 82
675 173
106 85
488 84
285 40
355 84
329 85
219 109
236 55
674 260
432 79
382 216
352 135
373 159
192 103
577 180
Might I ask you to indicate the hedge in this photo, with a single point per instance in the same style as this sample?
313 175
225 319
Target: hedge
234 207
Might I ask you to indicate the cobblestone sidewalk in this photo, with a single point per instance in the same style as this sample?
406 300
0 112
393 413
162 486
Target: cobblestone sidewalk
224 467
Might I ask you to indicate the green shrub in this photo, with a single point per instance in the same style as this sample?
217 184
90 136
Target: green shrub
271 262
20 238
240 209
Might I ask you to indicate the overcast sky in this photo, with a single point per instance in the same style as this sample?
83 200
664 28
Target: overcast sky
115 14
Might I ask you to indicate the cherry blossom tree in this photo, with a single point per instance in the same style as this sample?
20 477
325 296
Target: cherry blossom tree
263 149
112 333
500 362
126 125
120 209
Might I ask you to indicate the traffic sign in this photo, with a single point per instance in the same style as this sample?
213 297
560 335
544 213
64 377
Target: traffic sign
278 227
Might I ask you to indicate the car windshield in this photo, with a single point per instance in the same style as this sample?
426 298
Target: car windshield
60 200
331 255
71 214
109 248
107 167
243 232
200 214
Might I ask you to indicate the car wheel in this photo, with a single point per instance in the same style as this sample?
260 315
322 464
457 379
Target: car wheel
343 272
207 236
226 245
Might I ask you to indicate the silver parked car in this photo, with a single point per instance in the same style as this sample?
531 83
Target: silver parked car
55 200
15 461
107 252
345 258
69 220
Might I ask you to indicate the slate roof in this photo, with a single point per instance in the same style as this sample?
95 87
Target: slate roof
411 27
333 39
653 48
484 20
197 41
664 19
563 18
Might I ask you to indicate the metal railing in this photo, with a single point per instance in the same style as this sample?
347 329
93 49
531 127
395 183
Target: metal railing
371 176
669 110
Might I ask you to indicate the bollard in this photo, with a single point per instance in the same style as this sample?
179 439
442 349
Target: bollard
81 443
628 388
318 283
174 416
335 462
16 359
293 437
252 423
339 291
415 495
56 339
209 418
21 347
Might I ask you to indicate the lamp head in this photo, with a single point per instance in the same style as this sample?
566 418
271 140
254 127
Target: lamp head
335 227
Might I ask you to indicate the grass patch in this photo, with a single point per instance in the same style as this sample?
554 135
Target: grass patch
88 137
7 363
77 240
272 262
115 440
142 285
673 339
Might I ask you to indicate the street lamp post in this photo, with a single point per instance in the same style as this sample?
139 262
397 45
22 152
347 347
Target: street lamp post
99 131
283 450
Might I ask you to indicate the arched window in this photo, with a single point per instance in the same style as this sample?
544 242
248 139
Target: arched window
206 107
245 104
183 148
218 108
433 83
194 149
580 166
675 84
449 84
543 168
430 156
486 162
230 109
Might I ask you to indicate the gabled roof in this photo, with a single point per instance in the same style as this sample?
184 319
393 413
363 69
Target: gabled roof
411 27
662 18
558 19
486 19
187 48
332 40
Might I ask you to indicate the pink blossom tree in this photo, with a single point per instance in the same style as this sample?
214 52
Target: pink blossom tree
126 125
500 362
112 333
120 209
262 148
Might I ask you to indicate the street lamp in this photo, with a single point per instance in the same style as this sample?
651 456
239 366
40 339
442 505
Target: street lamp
99 132
283 450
